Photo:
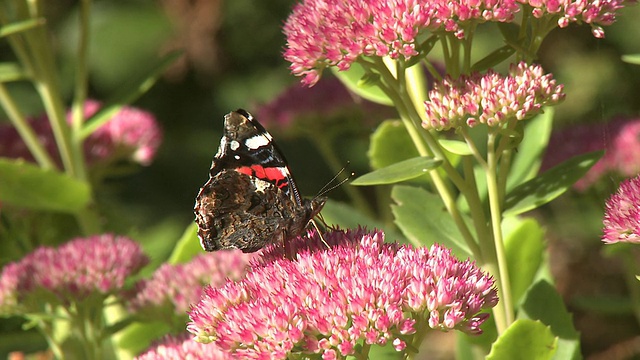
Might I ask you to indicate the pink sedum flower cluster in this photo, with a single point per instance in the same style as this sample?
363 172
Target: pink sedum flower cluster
183 347
75 271
596 13
332 301
180 285
491 98
622 214
131 132
322 33
131 129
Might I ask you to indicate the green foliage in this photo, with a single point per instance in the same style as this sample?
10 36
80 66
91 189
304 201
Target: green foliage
398 172
390 144
548 186
525 340
421 217
28 186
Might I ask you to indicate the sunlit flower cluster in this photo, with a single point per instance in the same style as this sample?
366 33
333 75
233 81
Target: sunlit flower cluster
76 270
597 13
322 33
183 347
130 133
622 214
491 98
180 285
360 291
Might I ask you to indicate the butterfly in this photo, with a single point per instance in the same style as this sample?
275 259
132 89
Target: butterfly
251 199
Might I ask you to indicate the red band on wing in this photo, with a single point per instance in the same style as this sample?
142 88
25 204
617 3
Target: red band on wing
273 175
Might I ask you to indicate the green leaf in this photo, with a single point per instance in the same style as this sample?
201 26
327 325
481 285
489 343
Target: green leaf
608 304
546 187
187 247
139 336
10 71
20 26
377 352
527 160
631 59
542 302
353 80
423 219
402 171
524 247
26 185
455 147
525 340
496 57
390 144
129 93
345 216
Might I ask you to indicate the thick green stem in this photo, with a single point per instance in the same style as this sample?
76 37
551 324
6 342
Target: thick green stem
495 208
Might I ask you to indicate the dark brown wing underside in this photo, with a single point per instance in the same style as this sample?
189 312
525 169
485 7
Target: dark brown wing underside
234 210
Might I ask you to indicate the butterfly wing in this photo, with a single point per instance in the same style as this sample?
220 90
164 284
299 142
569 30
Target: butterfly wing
250 199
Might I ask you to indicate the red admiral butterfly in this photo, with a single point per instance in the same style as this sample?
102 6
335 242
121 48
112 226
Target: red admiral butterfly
250 199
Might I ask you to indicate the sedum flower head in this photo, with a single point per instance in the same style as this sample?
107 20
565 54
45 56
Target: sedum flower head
332 301
131 130
596 13
73 272
130 133
180 285
322 33
182 347
622 214
490 98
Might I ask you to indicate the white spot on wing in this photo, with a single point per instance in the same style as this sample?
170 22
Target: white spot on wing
234 145
257 141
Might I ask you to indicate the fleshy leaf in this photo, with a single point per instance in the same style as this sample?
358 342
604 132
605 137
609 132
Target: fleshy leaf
542 302
524 246
455 147
187 247
525 340
390 144
26 185
548 186
493 59
528 159
631 59
402 171
347 217
353 80
423 219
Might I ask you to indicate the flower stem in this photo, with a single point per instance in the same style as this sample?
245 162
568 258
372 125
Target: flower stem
504 286
27 134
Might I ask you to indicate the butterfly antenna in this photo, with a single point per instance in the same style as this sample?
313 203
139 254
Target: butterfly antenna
328 187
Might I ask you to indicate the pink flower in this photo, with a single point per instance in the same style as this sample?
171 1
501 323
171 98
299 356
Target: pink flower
132 130
181 285
131 133
491 99
322 33
183 347
329 301
597 13
622 214
75 271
